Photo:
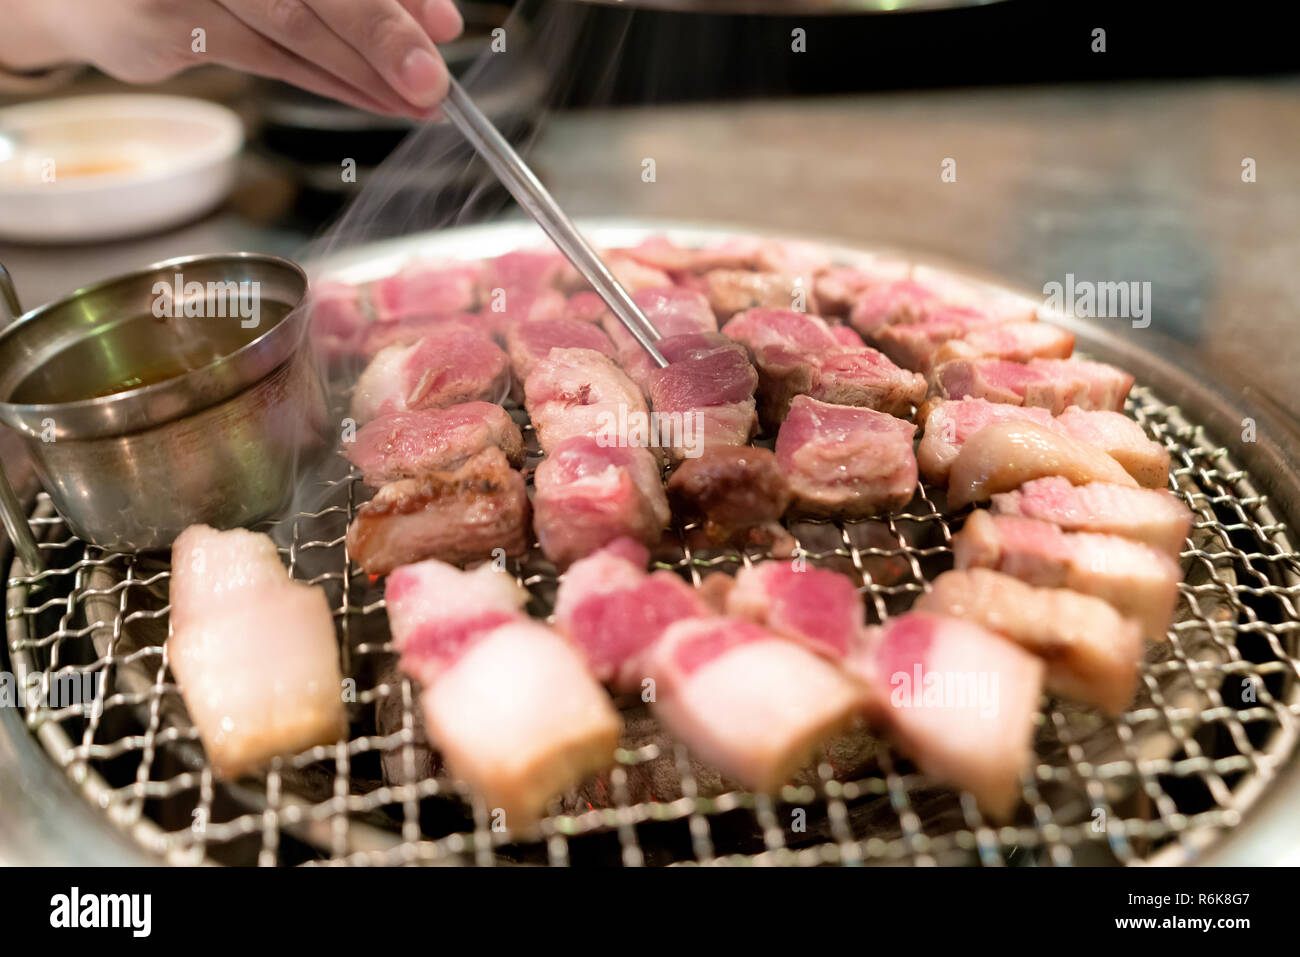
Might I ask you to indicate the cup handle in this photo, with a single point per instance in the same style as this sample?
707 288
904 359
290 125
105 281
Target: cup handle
11 510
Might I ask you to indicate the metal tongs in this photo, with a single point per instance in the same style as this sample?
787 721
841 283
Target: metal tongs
529 192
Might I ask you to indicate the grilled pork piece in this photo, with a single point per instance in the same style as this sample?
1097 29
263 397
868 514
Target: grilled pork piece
732 290
527 343
337 319
580 392
1091 652
747 702
1005 455
671 310
957 699
589 494
612 611
662 253
586 307
457 516
1048 383
738 493
845 461
631 274
1153 516
521 270
1012 341
798 354
253 651
897 302
840 288
688 345
816 607
950 424
410 444
1140 581
714 396
444 368
508 702
409 330
426 289
1123 440
914 344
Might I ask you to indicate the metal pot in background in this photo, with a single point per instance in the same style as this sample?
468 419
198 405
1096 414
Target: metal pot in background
140 424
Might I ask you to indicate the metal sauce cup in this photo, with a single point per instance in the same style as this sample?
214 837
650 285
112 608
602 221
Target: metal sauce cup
143 417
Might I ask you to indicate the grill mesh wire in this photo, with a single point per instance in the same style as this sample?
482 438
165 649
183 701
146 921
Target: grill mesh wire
1216 715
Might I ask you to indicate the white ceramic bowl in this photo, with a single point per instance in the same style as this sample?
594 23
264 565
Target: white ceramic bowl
105 167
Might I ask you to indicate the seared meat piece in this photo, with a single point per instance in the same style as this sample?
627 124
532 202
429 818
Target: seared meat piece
671 310
816 607
1012 341
527 343
839 288
521 270
688 345
1006 455
732 290
589 494
1091 652
631 274
253 651
409 330
900 301
950 424
662 253
1140 581
845 461
1123 440
1049 383
456 516
913 344
1153 516
714 396
752 705
426 289
958 700
576 392
446 367
337 319
410 444
734 491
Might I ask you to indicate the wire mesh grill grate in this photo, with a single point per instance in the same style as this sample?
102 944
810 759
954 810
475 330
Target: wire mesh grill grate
1215 718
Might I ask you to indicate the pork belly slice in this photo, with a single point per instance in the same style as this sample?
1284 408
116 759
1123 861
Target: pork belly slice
894 302
688 345
818 608
751 704
426 289
510 308
612 611
405 445
841 287
671 310
1012 341
444 368
520 720
456 516
527 343
521 270
580 392
957 699
588 494
1123 440
731 291
631 274
845 461
738 494
950 424
409 330
1050 383
585 307
1005 455
337 319
1091 652
913 345
1153 516
998 304
253 651
660 252
712 394
1141 582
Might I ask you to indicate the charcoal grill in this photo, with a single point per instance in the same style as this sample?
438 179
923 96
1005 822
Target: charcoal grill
1199 769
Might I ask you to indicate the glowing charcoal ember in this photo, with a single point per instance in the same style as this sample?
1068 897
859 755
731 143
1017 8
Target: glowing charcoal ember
1123 440
845 461
1005 455
1092 653
751 704
456 516
959 700
737 493
444 368
1153 516
1051 384
816 607
529 342
1141 582
425 289
1012 341
950 424
254 652
410 444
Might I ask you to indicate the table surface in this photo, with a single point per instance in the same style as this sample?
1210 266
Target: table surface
1124 182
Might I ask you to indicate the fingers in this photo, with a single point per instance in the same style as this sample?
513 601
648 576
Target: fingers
440 18
393 42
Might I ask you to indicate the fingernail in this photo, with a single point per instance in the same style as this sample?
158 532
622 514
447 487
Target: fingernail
421 77
437 12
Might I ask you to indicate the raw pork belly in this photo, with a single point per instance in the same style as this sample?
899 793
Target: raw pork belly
950 424
456 516
409 330
845 461
798 354
612 611
444 368
714 394
527 343
1091 652
671 310
816 607
409 444
337 318
1013 341
732 490
426 289
1049 383
924 675
1123 440
1006 455
253 651
751 704
900 301
507 701
913 345
588 495
688 345
732 290
840 288
580 392
1140 581
1153 516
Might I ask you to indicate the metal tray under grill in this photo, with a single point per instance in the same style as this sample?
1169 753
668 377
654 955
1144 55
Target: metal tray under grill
1195 765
